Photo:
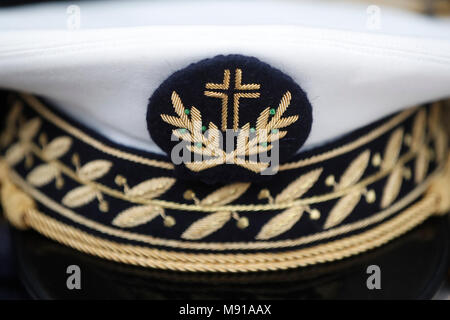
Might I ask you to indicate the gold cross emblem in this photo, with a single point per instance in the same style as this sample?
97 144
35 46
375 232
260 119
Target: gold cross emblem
220 92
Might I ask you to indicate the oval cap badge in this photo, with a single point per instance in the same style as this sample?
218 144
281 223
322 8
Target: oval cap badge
229 118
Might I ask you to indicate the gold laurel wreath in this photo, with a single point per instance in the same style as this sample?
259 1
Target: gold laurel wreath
245 147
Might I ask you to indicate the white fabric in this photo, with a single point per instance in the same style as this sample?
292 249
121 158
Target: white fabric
104 77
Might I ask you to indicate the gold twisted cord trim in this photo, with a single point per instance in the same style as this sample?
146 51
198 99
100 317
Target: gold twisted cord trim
201 208
375 218
161 259
50 116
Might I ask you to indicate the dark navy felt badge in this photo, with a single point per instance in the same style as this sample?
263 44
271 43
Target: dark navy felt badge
229 118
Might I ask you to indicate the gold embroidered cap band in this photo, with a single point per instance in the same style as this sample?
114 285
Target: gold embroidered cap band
343 198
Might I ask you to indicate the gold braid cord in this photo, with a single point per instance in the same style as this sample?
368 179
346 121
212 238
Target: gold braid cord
406 148
146 257
21 210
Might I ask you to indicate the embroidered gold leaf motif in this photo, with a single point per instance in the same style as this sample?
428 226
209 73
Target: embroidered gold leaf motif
354 171
209 146
213 137
280 223
263 119
176 122
392 151
282 107
441 145
30 129
392 187
242 139
254 166
206 226
299 187
57 148
41 175
151 188
225 194
11 122
94 170
196 121
421 164
434 116
342 209
179 108
79 196
136 216
418 130
15 154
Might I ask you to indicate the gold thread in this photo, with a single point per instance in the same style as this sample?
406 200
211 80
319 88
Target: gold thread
148 257
393 148
16 204
151 188
236 98
354 171
87 193
213 222
280 223
345 205
441 188
136 216
188 207
411 153
42 175
50 116
11 123
245 146
224 98
377 217
352 145
206 225
297 188
418 130
342 209
43 111
238 82
422 163
225 85
393 186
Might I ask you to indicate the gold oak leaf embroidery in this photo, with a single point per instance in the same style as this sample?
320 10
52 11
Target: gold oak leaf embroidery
345 205
392 150
418 145
147 190
20 150
11 124
285 220
395 179
418 130
88 192
45 173
190 130
215 221
422 164
437 132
